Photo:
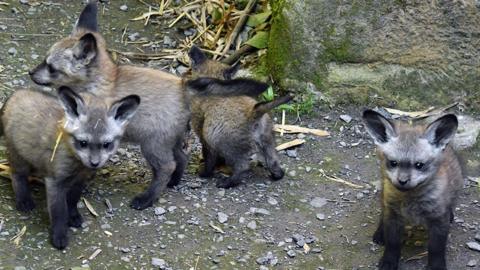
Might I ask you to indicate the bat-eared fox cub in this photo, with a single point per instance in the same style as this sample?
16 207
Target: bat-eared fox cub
421 177
81 62
62 140
231 128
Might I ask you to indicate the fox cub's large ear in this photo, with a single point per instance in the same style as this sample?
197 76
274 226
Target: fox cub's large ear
86 48
72 103
197 57
379 127
442 130
124 109
88 18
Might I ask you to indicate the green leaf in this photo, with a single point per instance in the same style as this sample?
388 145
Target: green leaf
268 95
259 18
217 15
286 107
259 40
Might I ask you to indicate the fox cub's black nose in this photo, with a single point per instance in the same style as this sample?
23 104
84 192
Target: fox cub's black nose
94 163
30 72
403 182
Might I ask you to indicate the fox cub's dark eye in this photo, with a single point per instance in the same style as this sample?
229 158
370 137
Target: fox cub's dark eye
107 145
419 165
393 163
82 144
51 69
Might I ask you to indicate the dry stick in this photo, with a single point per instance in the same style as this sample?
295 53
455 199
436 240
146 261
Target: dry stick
238 27
245 49
177 19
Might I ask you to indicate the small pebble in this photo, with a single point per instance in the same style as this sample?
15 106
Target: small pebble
222 217
472 263
12 51
160 211
123 7
252 225
318 202
473 246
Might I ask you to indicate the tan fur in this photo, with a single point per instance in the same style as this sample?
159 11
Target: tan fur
230 127
159 125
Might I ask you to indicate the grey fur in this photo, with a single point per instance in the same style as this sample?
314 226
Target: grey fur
32 122
162 119
421 181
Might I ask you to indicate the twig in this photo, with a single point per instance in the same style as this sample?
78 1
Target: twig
57 142
245 49
94 254
340 180
283 123
297 129
18 237
418 256
218 229
289 144
238 27
177 19
196 263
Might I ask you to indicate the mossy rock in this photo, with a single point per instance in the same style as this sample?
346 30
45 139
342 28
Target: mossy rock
407 54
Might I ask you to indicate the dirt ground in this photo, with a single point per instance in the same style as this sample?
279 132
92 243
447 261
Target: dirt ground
260 224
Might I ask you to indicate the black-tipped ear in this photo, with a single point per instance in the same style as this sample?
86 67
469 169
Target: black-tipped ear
231 71
124 109
379 127
197 57
72 103
442 130
86 48
88 18
262 108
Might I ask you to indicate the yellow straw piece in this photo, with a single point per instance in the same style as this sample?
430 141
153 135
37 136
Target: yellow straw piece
57 142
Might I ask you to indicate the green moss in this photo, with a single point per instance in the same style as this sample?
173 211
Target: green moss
278 51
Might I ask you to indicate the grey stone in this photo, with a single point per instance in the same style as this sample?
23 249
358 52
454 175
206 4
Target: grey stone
477 237
292 173
160 211
291 253
474 246
123 7
467 132
12 51
157 262
272 201
269 258
321 216
133 36
472 263
337 56
259 211
346 118
252 225
292 153
222 217
318 202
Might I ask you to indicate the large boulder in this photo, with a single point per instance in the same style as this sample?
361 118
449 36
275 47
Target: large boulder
397 53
